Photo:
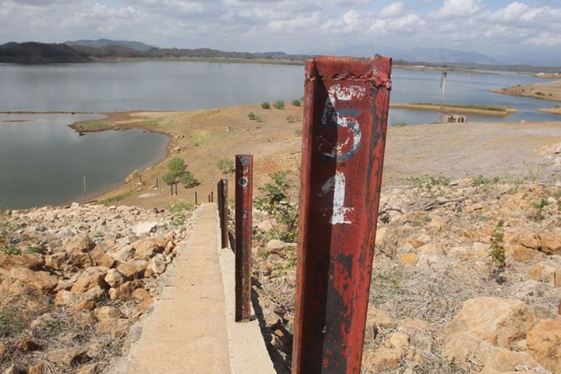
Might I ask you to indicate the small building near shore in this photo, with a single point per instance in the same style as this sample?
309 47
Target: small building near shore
455 118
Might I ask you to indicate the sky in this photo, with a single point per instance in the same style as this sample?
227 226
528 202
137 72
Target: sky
494 28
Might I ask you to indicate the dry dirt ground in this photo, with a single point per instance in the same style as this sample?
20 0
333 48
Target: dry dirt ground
202 138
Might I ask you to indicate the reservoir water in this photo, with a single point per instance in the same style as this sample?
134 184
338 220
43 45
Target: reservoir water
42 161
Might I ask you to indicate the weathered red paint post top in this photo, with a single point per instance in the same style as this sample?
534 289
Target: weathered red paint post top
345 119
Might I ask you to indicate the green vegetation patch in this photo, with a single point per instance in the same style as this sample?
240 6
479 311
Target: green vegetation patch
155 122
12 321
493 108
93 126
199 138
114 199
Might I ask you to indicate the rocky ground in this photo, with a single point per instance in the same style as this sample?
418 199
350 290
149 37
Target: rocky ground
74 279
467 278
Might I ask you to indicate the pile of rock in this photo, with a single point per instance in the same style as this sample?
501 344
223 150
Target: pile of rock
442 298
75 279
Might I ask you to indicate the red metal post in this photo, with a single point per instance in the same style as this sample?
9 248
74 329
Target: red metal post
345 119
244 195
222 194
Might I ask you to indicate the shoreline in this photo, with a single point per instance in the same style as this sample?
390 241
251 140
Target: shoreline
276 146
498 112
202 137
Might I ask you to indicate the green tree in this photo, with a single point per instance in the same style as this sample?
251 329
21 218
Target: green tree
176 166
188 180
277 203
177 172
170 179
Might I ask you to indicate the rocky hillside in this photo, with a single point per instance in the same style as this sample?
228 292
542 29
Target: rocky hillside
74 279
466 279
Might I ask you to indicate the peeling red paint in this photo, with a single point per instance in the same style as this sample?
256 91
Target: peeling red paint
244 195
346 105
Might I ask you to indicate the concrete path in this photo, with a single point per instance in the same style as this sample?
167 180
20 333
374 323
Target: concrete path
191 329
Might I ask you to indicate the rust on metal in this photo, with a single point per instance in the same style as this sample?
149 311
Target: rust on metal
244 195
222 194
346 105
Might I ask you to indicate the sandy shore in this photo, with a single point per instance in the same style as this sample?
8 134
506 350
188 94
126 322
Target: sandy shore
201 138
494 111
548 91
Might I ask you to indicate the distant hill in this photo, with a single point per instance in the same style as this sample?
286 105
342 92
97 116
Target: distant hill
137 46
115 50
39 53
417 55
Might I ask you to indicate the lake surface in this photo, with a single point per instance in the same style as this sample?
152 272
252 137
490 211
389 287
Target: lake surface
44 162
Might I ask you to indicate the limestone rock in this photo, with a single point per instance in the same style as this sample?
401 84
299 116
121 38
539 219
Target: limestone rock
520 253
91 369
469 347
383 359
116 327
550 242
107 312
276 244
89 281
146 249
29 261
39 368
114 278
485 328
157 264
57 261
68 298
40 280
67 356
133 269
495 320
144 228
543 342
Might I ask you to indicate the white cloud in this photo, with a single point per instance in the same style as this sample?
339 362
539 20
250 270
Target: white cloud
293 26
392 10
458 9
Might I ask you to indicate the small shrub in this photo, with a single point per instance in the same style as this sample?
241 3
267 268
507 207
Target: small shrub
290 119
483 181
188 180
497 254
251 116
279 104
539 206
225 165
12 321
430 183
276 202
298 132
296 103
265 105
6 245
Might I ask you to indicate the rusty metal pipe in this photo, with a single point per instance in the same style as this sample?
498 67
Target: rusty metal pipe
346 105
244 196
